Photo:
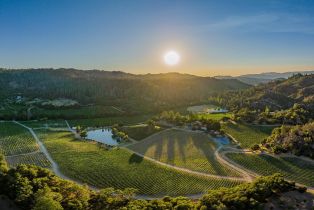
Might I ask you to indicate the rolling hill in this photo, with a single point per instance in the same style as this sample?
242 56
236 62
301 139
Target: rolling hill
142 92
254 79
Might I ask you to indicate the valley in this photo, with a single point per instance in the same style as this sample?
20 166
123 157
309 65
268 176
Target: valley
184 151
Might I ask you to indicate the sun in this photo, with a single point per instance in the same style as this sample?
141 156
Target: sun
172 58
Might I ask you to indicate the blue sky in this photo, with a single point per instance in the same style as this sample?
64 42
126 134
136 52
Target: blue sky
212 37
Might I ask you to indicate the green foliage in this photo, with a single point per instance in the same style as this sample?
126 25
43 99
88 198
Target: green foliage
119 135
292 168
246 196
109 121
289 101
139 132
191 150
203 120
110 198
37 158
45 199
298 140
80 112
247 135
31 186
81 131
132 93
35 188
87 162
14 139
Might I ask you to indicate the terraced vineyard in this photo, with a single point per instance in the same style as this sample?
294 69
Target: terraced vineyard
118 168
14 139
292 168
247 135
191 150
36 158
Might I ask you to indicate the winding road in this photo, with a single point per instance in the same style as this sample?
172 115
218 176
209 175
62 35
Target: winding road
42 148
247 175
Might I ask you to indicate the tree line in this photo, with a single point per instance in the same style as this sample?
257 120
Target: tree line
298 140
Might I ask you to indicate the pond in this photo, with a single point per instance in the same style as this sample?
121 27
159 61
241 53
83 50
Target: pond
222 140
102 136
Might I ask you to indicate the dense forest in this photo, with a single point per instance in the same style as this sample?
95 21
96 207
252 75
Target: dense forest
112 88
32 187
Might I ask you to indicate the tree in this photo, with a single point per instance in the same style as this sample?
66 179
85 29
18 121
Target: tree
45 199
47 203
83 134
213 125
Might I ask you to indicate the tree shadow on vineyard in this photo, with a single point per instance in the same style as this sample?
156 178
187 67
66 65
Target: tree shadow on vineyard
135 159
208 151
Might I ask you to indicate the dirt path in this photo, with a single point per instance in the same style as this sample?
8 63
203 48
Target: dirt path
246 176
175 167
42 148
252 173
29 112
77 136
186 170
236 167
118 109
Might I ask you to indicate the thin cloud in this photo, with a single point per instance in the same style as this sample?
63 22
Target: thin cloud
273 23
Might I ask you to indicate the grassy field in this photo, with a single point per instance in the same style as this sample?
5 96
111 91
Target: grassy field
14 139
37 158
108 121
217 116
118 168
185 149
247 135
139 132
292 168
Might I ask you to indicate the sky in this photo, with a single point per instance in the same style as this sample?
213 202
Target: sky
212 37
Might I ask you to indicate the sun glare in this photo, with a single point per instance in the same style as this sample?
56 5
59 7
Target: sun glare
171 58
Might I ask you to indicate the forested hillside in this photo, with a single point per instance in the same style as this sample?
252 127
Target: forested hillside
103 87
298 140
286 101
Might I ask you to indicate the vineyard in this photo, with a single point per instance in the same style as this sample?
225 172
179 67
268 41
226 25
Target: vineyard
139 132
191 150
247 135
14 139
36 158
87 162
292 168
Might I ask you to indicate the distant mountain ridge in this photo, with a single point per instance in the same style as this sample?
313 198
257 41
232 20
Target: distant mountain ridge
254 79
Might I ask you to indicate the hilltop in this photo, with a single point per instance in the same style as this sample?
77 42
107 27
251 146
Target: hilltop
147 92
